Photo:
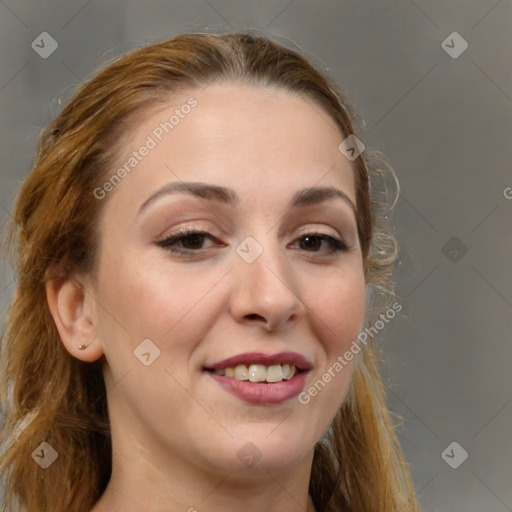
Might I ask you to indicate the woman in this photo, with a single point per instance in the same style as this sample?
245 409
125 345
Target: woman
194 248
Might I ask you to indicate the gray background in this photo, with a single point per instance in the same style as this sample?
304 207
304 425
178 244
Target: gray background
445 125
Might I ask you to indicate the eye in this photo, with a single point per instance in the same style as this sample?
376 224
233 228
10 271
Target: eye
192 240
314 240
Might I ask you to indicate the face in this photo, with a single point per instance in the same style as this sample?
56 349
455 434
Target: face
273 278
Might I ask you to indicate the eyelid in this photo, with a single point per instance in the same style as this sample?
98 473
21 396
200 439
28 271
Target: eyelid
185 230
337 243
191 228
316 229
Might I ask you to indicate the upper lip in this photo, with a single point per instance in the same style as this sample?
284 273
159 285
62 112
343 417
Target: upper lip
301 362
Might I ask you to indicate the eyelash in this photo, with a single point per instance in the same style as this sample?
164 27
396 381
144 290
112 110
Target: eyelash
167 244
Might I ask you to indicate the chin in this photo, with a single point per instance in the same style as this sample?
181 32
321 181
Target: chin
255 451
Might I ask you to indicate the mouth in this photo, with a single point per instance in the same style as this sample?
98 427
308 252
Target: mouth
262 379
260 367
258 373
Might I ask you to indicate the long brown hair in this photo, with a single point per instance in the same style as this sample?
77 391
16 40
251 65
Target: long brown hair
49 396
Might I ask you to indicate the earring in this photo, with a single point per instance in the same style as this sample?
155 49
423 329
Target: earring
82 347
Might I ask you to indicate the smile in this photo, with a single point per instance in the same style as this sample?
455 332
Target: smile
262 379
259 372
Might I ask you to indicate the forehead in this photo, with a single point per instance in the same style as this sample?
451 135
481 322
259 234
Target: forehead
243 136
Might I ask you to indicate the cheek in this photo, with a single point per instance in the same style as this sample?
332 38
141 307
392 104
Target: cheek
337 310
155 302
336 315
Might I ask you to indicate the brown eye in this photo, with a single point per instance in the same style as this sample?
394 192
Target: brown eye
191 241
314 241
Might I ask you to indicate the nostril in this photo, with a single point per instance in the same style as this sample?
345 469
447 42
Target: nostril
255 316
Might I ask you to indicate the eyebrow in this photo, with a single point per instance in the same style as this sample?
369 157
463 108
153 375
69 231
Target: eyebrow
305 197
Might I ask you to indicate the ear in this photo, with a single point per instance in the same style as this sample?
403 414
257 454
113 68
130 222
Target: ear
72 310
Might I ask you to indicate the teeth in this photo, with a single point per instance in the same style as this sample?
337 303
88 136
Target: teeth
275 373
241 372
288 371
259 372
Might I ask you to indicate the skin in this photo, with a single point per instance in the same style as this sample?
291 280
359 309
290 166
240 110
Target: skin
176 433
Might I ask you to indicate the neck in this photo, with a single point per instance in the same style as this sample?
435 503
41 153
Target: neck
144 479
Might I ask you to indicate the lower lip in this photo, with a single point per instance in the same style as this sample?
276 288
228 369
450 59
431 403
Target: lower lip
261 393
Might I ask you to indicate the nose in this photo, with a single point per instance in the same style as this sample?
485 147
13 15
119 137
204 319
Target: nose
264 291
